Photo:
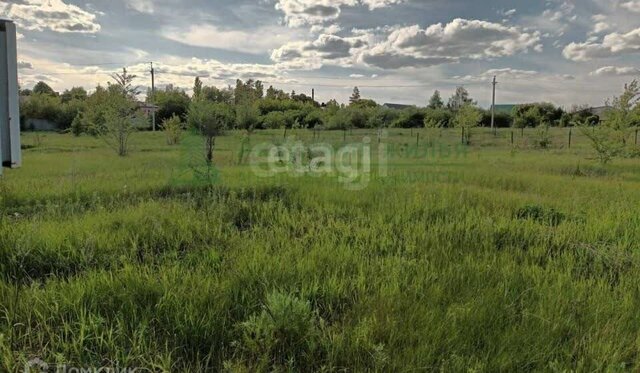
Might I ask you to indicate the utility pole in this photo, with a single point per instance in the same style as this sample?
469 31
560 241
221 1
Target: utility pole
493 105
313 94
153 97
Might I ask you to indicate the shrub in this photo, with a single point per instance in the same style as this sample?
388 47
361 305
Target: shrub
285 334
173 130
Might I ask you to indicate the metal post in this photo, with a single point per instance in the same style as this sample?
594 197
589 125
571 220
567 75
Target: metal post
493 106
153 97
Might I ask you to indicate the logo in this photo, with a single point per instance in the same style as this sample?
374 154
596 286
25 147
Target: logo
36 365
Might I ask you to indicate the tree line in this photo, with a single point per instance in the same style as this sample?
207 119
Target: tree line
258 108
113 112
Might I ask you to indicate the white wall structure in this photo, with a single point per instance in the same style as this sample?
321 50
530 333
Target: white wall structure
9 98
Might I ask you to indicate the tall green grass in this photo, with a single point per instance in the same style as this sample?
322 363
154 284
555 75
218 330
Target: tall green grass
505 259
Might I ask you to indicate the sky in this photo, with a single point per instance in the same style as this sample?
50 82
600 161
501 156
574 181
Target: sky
398 51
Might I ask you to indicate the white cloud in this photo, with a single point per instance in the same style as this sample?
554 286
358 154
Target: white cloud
632 5
326 49
616 71
249 41
506 73
142 6
311 12
458 40
54 15
613 44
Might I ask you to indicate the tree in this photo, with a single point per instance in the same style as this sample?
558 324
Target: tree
459 99
119 120
210 120
437 118
247 117
624 111
355 96
365 104
197 89
125 82
75 93
467 117
43 88
215 94
435 102
610 139
171 101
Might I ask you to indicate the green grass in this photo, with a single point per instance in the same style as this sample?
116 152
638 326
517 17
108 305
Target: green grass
498 258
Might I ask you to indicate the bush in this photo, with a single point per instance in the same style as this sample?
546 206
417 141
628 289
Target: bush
173 130
274 120
286 334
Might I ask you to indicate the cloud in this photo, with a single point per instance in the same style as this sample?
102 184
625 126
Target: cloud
312 12
613 44
54 15
458 40
616 71
23 65
257 41
506 73
326 49
142 6
632 5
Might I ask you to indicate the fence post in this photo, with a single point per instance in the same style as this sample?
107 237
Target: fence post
570 134
418 140
511 137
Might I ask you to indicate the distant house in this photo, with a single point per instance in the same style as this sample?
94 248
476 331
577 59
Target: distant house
147 108
599 111
397 106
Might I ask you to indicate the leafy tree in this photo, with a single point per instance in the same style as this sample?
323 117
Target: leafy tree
210 120
365 104
532 115
460 99
467 117
44 89
355 96
41 106
276 94
435 102
437 118
75 93
197 89
247 117
411 117
215 94
603 141
624 111
171 101
119 118
274 120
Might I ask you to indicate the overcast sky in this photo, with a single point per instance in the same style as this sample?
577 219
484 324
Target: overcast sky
400 51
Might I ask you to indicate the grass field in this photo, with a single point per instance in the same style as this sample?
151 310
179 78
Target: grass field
497 257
